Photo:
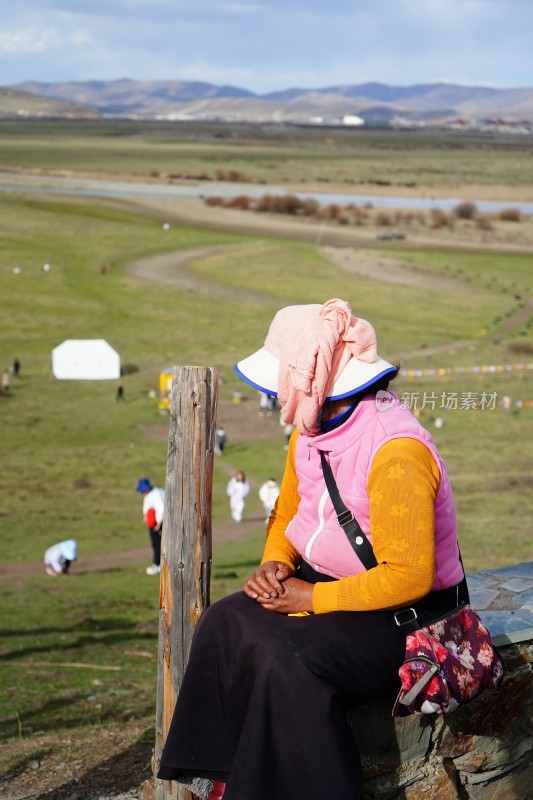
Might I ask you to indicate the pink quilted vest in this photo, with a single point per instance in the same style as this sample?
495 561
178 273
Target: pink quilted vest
350 450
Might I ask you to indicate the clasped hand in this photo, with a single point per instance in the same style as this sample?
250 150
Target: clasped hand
273 586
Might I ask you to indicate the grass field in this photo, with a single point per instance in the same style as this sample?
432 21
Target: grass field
71 455
394 159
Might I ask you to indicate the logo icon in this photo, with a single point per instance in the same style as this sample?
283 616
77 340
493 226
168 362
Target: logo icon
384 400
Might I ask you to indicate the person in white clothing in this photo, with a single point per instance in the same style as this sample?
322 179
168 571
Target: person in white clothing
153 510
237 490
264 404
58 557
268 494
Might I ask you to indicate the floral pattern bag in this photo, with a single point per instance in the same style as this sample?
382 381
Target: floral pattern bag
447 663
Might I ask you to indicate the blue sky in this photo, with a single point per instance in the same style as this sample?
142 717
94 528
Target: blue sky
265 45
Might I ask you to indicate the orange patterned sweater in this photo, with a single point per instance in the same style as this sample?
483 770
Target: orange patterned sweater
402 486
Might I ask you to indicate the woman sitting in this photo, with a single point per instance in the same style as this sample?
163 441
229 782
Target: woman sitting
273 669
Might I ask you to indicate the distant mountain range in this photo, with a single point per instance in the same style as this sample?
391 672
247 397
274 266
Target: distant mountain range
16 104
374 102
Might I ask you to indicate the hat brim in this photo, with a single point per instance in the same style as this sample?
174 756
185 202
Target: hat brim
261 369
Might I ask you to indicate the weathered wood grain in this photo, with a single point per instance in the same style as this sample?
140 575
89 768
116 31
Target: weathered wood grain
186 545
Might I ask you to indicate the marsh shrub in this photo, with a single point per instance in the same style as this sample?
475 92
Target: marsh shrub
483 223
214 201
232 175
242 201
290 204
383 218
408 217
357 214
333 210
237 177
264 203
439 219
465 210
510 215
280 204
399 217
310 207
328 212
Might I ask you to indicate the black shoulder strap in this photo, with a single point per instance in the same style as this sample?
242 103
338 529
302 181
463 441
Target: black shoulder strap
356 537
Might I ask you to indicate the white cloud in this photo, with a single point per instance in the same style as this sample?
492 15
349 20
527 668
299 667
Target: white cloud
29 41
264 45
81 37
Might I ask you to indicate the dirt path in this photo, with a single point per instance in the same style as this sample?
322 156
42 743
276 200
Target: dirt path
171 269
377 267
138 558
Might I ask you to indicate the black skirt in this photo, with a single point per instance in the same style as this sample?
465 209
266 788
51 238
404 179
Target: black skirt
264 699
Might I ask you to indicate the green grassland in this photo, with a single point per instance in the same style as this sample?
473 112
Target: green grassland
270 155
71 455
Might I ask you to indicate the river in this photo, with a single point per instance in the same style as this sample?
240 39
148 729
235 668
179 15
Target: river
91 187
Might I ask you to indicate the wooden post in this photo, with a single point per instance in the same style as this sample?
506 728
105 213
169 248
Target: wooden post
186 545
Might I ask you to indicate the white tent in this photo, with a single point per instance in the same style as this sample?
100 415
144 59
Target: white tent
85 360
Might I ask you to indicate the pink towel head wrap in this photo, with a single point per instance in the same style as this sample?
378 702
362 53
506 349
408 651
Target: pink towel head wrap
313 344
